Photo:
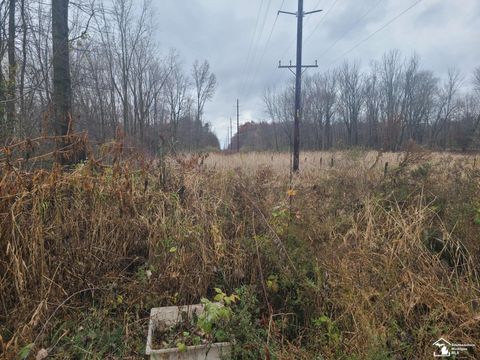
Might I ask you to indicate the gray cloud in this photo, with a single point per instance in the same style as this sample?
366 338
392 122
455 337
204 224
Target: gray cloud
444 33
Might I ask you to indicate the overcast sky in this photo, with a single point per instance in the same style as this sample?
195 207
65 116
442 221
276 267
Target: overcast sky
445 33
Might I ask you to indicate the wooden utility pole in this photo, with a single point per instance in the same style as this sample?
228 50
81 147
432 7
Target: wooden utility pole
230 135
238 126
298 81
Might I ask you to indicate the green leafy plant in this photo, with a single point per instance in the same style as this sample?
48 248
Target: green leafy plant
25 351
329 329
245 329
272 283
208 327
477 216
181 347
216 315
224 298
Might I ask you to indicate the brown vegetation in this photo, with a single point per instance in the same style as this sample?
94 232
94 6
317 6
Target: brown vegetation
345 261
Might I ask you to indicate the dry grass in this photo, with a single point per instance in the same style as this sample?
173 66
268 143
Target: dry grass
315 163
367 265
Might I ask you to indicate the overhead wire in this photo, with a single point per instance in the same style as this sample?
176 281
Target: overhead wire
252 42
383 27
254 64
320 21
388 23
341 37
292 42
264 52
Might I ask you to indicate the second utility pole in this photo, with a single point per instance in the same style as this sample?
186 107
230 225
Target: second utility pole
298 82
238 126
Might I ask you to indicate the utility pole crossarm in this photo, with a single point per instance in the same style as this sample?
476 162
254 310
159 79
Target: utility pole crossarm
287 12
296 14
280 66
312 12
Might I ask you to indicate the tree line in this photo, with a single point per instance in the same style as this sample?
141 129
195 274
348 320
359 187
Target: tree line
95 66
391 102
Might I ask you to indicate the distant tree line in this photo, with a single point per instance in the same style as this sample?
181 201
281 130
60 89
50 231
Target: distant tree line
391 103
119 80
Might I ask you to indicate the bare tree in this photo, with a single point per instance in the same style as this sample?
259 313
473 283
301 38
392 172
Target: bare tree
394 102
116 74
329 99
350 99
472 112
269 99
23 68
131 31
391 90
12 70
319 108
371 90
3 48
176 91
62 87
39 66
205 85
447 104
477 79
312 111
466 130
422 105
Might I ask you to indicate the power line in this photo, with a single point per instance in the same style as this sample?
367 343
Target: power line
376 31
260 34
266 44
245 68
293 40
315 7
351 28
288 48
264 22
320 21
245 72
273 28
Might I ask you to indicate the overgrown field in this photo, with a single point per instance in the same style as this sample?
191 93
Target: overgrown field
344 261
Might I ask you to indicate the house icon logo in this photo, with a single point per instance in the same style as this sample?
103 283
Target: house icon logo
442 348
446 349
